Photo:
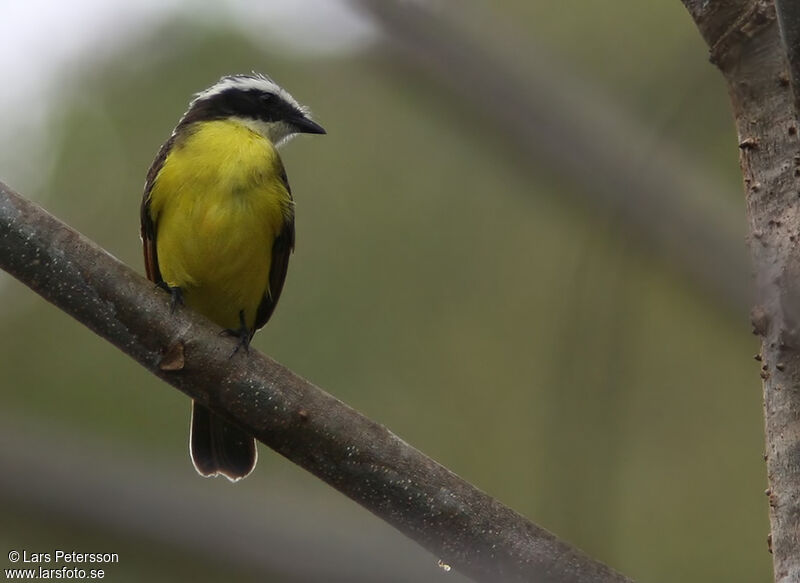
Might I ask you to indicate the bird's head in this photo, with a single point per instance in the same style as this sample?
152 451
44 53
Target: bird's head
255 101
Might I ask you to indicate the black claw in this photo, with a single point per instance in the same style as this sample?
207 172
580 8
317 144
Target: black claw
176 298
242 333
176 295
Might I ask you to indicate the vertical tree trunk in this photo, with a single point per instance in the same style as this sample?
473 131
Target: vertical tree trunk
746 45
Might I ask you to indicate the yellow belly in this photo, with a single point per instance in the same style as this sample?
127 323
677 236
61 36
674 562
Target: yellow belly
218 204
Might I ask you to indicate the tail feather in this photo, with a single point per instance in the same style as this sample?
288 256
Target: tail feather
217 447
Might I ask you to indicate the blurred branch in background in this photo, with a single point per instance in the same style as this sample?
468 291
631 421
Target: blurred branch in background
558 123
69 479
448 516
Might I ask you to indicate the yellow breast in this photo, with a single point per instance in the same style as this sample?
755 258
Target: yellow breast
218 203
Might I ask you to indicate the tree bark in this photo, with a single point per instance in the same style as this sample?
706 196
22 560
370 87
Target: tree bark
455 521
745 43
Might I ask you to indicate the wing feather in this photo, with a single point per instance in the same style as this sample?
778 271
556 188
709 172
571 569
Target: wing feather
148 226
282 248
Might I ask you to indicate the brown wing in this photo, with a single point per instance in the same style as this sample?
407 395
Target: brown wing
281 249
148 226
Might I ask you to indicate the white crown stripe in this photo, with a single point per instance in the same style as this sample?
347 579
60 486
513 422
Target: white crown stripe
245 83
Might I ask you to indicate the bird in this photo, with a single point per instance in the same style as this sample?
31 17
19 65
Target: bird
217 229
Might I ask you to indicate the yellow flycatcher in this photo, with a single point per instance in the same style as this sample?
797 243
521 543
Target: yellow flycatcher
218 228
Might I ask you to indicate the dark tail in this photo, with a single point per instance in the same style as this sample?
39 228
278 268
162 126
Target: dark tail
217 447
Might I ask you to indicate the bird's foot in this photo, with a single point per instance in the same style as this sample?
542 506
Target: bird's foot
242 333
175 293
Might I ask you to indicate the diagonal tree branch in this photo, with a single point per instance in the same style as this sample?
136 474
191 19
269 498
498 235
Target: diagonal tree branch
745 43
468 529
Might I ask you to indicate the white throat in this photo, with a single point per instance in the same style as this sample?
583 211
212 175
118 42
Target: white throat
277 132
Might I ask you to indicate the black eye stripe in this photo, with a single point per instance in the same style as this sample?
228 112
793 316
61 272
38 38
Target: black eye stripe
251 103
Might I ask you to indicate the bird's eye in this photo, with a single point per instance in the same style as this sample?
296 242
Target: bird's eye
267 98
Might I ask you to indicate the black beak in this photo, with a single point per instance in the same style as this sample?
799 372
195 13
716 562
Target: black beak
303 125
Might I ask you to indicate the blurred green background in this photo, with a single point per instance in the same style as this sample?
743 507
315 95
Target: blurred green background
480 302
